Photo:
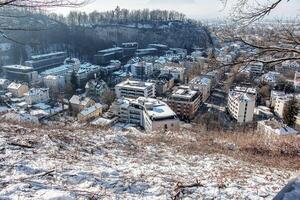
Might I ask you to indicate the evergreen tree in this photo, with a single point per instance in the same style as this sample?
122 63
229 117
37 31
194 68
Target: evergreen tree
74 81
290 112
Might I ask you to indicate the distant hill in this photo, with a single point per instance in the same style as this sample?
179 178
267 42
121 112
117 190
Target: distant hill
81 35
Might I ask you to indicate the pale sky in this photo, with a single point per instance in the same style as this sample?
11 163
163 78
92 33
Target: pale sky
197 9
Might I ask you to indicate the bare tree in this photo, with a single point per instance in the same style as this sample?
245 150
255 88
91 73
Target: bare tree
274 46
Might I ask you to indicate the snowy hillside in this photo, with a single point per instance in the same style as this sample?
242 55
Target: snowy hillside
68 163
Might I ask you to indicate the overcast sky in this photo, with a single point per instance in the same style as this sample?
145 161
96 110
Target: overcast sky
198 9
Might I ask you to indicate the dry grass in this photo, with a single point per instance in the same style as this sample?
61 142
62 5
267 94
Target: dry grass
273 151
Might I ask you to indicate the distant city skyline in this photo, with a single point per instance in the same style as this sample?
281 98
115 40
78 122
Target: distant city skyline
196 9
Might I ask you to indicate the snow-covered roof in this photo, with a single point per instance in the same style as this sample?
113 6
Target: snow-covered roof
278 128
135 84
184 92
156 109
91 109
79 100
36 91
241 96
201 81
44 56
14 86
18 67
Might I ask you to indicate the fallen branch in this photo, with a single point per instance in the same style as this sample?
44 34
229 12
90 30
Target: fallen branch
20 145
180 187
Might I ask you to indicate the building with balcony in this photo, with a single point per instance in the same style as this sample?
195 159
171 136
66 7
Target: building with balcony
241 104
135 89
149 113
185 102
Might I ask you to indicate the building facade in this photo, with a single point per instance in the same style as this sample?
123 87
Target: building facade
202 84
185 102
149 113
46 61
20 73
135 89
17 89
241 104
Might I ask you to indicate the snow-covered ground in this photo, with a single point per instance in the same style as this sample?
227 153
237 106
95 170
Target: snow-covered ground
49 163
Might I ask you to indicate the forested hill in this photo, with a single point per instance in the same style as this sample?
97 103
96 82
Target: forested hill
82 34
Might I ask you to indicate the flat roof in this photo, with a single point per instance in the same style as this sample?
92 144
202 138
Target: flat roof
41 56
21 67
134 84
156 108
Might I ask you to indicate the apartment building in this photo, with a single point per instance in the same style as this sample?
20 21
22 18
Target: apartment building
37 95
202 84
177 72
46 61
149 113
20 73
185 102
241 104
142 70
135 89
55 83
279 101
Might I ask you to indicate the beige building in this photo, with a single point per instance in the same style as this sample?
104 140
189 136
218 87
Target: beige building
185 102
90 113
17 89
79 103
241 104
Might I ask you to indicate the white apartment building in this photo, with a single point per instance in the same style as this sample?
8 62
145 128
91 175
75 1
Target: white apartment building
177 72
37 95
241 104
135 89
202 84
149 113
142 70
54 83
